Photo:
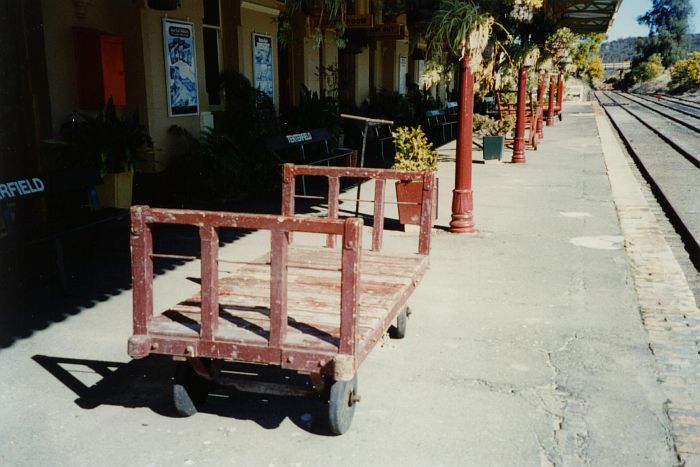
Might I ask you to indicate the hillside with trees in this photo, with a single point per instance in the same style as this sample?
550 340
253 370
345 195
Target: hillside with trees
623 50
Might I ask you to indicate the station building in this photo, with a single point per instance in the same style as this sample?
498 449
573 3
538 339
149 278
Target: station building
81 52
71 55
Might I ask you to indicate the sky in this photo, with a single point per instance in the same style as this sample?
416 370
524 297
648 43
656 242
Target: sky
625 24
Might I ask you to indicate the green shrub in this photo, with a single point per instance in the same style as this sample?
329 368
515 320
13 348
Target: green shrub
111 142
648 70
594 69
486 126
413 151
314 111
686 73
232 160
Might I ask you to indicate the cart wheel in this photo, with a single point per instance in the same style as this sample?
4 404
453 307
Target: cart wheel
190 390
341 405
399 331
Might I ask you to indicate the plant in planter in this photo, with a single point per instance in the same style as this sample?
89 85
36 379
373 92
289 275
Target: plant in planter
493 133
109 143
413 152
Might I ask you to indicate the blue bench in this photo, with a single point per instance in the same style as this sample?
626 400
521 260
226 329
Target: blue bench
437 120
69 205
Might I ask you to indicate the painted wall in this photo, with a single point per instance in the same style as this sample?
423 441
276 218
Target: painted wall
59 19
154 77
258 17
311 64
142 31
362 76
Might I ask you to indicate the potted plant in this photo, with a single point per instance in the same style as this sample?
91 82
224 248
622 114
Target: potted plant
413 152
493 133
111 144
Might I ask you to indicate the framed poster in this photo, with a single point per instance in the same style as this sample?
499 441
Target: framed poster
180 68
262 64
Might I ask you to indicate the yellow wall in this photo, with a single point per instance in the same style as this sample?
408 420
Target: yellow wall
142 30
311 63
155 84
59 19
258 17
362 76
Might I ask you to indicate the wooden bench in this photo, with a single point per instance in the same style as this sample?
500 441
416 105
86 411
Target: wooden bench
311 147
69 205
383 136
318 310
510 109
452 111
554 96
436 119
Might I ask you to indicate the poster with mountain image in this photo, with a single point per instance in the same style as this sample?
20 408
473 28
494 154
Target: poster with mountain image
262 64
180 68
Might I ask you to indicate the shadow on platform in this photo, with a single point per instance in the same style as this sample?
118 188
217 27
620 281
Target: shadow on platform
147 383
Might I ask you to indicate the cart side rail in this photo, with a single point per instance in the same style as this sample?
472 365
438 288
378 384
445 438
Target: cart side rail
208 222
380 176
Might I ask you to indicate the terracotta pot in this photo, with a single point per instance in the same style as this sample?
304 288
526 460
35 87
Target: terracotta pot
412 192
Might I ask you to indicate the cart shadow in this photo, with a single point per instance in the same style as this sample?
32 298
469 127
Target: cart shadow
147 383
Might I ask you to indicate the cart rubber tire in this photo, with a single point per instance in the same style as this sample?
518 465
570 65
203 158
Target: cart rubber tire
399 330
190 390
341 405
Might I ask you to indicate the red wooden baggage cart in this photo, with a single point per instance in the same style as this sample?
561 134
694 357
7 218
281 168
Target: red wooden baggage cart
316 310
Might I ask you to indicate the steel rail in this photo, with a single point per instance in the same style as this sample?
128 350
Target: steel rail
691 157
680 121
691 243
659 103
683 100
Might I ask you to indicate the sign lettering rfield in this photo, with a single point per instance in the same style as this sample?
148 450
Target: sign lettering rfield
20 188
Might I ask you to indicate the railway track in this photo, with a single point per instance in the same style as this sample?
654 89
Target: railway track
682 100
684 109
667 154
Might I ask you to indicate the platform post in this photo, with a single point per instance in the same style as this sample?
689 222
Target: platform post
560 91
540 103
550 108
519 144
462 196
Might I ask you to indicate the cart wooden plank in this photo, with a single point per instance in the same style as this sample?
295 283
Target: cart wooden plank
313 312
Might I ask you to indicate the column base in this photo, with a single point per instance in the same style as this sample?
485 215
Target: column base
462 212
518 152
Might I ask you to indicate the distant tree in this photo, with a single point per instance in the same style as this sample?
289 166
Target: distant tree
668 30
594 69
587 48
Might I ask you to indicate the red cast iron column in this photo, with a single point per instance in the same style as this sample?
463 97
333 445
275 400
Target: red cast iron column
550 109
462 196
560 91
519 145
540 103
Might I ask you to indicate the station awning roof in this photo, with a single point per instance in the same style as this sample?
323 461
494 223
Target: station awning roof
583 16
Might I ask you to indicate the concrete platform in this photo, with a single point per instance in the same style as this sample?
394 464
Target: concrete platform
526 347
